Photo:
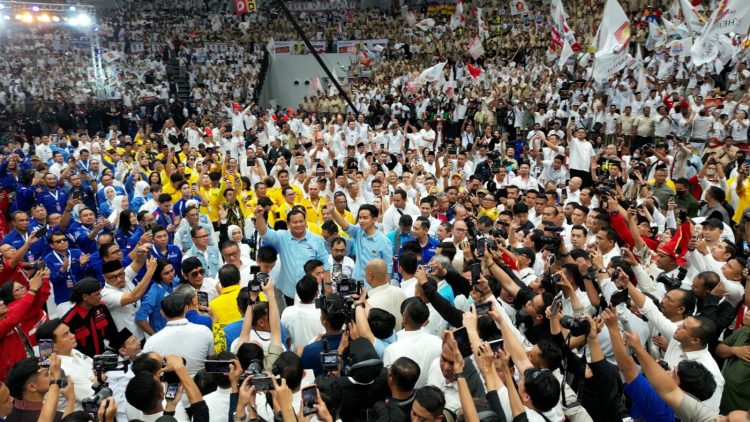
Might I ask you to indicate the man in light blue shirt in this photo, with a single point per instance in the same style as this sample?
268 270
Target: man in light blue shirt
295 247
369 242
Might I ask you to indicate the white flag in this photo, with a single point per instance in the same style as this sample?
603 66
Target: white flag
432 74
614 37
426 24
729 16
271 47
475 48
483 32
694 20
458 16
518 7
656 36
560 21
565 53
315 85
679 39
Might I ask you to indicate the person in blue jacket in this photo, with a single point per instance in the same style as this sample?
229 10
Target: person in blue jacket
161 248
67 266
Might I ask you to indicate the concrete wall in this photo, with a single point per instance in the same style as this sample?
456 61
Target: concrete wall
290 76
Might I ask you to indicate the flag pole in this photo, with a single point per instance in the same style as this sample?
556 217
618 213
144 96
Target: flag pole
315 54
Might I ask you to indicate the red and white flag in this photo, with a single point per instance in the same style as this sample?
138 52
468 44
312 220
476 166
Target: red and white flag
449 89
560 29
458 16
474 71
694 20
426 24
240 7
315 85
518 7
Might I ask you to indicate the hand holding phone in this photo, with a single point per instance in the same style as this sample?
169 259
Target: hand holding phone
309 400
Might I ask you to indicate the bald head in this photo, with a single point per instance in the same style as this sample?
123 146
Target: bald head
575 183
376 272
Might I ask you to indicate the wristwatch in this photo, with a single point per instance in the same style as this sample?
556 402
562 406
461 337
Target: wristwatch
242 418
58 383
458 375
602 271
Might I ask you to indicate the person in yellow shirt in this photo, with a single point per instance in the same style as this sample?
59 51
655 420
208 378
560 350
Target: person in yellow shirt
225 306
246 196
339 202
275 193
211 198
281 210
314 204
488 205
742 191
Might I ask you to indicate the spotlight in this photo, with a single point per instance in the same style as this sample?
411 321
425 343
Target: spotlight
6 17
18 17
2 6
26 17
55 19
72 8
43 18
82 20
35 8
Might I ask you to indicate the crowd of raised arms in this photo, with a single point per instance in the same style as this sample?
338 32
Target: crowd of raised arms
515 241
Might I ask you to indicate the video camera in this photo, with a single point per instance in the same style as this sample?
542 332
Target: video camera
554 240
255 368
672 282
346 287
105 362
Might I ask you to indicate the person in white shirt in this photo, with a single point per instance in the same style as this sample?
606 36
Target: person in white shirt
407 267
119 294
414 342
302 321
170 340
218 401
341 265
383 295
399 206
581 152
79 367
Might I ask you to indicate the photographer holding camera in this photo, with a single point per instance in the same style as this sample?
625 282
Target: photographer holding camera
145 393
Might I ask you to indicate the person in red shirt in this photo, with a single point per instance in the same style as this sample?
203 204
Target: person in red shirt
18 322
90 320
11 266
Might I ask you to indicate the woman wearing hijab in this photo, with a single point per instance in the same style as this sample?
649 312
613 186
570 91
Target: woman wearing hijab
141 195
105 207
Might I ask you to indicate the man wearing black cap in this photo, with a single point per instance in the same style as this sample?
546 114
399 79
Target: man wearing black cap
128 347
121 296
90 320
366 383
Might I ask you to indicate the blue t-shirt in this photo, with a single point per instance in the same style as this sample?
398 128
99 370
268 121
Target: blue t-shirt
311 353
647 405
380 345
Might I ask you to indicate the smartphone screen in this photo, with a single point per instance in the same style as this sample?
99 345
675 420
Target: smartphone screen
218 366
483 308
462 339
202 298
262 383
496 345
309 399
481 246
476 272
41 232
45 350
171 392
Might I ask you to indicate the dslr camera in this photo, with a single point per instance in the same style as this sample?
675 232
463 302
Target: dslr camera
577 326
347 287
259 280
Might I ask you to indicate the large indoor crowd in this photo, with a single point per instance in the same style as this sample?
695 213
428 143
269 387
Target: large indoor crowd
510 241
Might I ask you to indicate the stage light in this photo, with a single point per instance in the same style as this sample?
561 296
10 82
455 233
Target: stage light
34 8
2 6
55 19
6 17
43 18
72 8
26 17
18 17
81 19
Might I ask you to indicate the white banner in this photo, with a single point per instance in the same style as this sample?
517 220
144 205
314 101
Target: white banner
518 7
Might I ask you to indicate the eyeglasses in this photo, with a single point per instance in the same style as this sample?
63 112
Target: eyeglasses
19 289
203 236
197 272
60 240
115 276
114 252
